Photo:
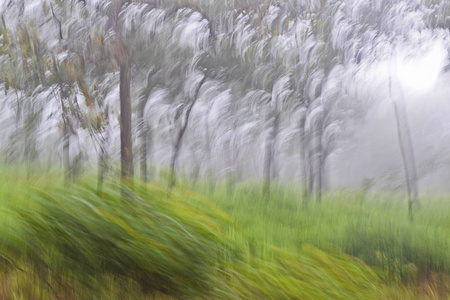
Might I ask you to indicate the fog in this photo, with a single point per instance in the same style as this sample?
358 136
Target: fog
324 94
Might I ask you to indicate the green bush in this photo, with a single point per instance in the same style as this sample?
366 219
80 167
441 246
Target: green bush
172 243
154 237
376 228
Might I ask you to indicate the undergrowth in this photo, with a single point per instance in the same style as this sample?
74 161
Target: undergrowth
70 242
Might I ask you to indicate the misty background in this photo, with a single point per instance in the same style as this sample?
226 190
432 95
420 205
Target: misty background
297 91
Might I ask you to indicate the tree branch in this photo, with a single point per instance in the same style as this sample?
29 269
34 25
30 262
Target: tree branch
59 22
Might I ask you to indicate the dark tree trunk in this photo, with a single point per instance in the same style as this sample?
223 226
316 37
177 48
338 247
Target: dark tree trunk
143 130
19 111
304 144
100 173
234 150
40 70
319 170
230 169
320 162
195 171
310 185
124 59
320 150
66 137
66 154
102 164
179 139
149 149
269 153
209 171
406 150
126 147
173 160
103 155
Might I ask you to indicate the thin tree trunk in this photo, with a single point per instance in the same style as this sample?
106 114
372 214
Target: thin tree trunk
102 164
66 138
406 150
126 146
320 148
230 169
320 161
195 176
173 160
143 164
40 71
100 174
318 186
269 154
143 130
209 173
234 150
310 185
66 128
19 111
124 58
179 140
143 127
66 154
307 157
304 163
149 149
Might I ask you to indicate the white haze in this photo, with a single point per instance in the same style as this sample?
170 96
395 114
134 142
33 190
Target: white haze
375 50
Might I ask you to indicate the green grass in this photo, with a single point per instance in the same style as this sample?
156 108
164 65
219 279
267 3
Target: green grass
70 242
373 228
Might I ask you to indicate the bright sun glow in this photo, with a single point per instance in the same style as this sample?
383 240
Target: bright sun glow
420 74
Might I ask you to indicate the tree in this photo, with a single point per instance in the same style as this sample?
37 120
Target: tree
388 19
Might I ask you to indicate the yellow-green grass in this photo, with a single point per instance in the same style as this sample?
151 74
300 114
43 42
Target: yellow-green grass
71 243
374 228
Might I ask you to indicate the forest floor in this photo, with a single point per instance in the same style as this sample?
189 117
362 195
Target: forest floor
71 242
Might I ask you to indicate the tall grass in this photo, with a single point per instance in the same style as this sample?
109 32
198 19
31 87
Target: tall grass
70 242
373 228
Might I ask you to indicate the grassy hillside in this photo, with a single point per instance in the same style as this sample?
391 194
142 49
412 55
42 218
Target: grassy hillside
72 243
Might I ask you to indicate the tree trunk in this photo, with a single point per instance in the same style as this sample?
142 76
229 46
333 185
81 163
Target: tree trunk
173 160
195 172
100 174
230 169
406 150
102 164
126 147
149 150
143 130
19 111
66 154
40 71
319 174
179 140
320 159
234 149
208 156
304 163
269 153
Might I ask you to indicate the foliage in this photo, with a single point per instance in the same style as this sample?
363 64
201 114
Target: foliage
159 243
374 228
154 237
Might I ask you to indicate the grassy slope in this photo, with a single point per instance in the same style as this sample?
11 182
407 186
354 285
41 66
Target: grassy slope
259 251
375 229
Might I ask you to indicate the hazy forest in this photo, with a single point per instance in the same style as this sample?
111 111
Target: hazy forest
228 149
